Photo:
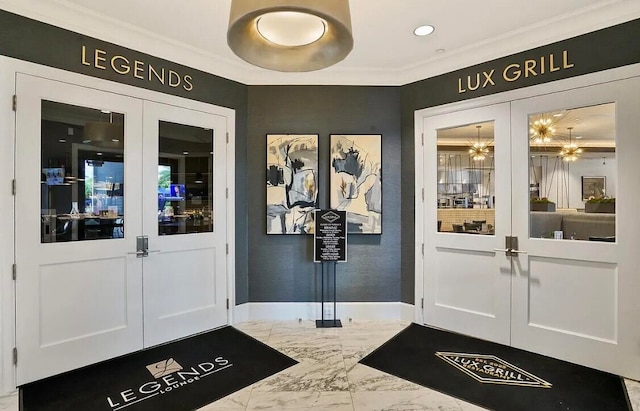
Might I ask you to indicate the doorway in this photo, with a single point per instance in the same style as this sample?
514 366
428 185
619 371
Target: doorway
555 281
121 225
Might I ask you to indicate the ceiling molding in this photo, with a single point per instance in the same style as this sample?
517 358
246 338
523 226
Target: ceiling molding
68 15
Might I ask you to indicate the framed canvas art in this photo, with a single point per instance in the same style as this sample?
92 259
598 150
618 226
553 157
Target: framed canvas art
593 187
356 180
292 183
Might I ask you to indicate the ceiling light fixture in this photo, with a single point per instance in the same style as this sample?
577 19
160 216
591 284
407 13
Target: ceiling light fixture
479 150
290 35
422 31
571 151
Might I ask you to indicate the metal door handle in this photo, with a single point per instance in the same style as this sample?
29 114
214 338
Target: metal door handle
510 252
139 254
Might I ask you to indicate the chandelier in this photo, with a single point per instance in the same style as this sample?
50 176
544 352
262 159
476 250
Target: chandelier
542 130
571 151
479 150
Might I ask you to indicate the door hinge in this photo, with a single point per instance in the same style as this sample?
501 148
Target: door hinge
15 355
13 187
423 139
423 195
227 192
422 303
227 247
13 271
14 103
423 249
227 138
227 303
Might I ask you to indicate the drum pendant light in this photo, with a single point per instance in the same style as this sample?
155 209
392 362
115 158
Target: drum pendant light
290 35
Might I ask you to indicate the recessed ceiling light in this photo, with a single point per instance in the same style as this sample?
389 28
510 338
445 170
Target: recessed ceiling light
86 141
440 51
185 153
105 111
98 154
115 140
63 140
423 30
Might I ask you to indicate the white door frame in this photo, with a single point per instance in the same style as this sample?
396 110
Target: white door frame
8 69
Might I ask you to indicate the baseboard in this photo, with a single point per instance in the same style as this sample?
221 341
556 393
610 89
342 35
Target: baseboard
312 311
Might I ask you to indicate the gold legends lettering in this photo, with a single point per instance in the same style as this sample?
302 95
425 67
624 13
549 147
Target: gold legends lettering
139 69
516 71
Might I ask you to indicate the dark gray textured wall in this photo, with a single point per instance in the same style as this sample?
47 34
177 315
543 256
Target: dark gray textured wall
280 266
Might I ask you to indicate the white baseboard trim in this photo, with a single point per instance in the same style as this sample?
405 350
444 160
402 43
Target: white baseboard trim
312 311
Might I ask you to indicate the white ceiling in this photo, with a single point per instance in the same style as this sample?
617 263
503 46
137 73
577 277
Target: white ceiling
386 52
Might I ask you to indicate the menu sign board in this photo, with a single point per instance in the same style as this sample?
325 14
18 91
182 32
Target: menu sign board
330 236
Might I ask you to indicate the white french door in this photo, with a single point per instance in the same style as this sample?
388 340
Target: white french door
570 297
89 184
466 282
185 287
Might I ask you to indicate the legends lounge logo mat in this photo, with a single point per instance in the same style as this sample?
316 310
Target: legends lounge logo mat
169 376
489 369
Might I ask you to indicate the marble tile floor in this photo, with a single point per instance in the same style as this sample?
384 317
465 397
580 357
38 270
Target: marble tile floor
328 376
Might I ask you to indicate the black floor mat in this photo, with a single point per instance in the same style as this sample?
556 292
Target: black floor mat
495 376
182 375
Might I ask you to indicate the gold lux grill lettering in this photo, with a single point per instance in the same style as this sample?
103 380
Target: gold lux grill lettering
124 66
513 72
166 383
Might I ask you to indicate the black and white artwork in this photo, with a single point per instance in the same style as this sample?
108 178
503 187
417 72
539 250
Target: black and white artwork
356 181
292 183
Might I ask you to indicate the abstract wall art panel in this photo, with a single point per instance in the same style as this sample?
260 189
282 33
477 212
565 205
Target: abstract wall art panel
356 181
292 183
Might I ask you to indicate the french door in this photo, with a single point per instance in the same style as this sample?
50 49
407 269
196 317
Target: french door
120 225
559 282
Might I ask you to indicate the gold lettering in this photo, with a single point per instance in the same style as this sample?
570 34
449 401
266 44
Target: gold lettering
84 56
477 82
542 67
551 67
517 72
138 67
529 66
173 75
98 59
188 85
488 78
153 71
123 68
460 89
565 60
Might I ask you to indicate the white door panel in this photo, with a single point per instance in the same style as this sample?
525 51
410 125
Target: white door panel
77 302
185 288
573 299
465 280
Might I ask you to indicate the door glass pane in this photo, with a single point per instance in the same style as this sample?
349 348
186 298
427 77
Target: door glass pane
82 173
185 184
466 179
573 174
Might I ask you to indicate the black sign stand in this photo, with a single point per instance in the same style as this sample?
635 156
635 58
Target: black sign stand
329 323
330 246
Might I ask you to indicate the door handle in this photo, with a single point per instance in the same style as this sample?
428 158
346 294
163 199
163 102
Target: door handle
139 254
510 252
